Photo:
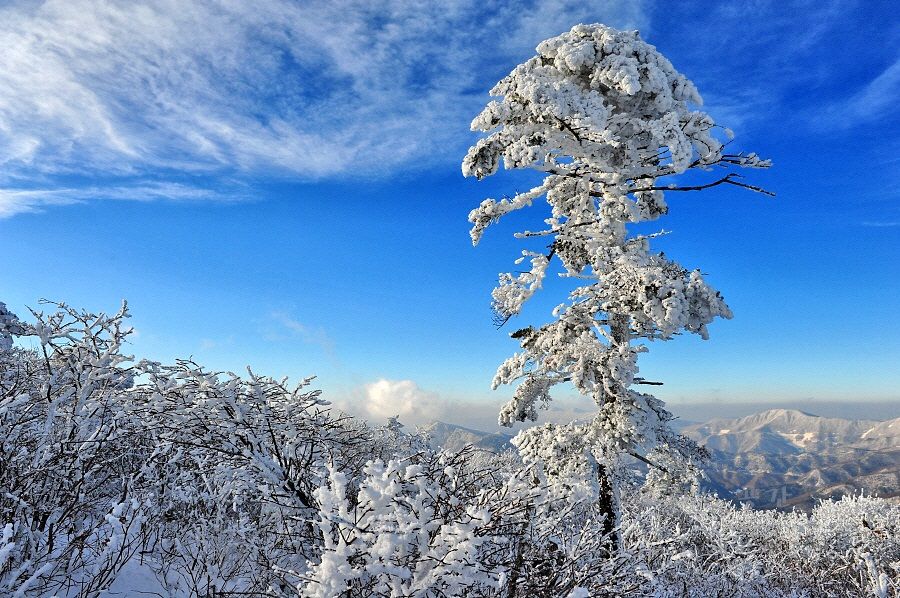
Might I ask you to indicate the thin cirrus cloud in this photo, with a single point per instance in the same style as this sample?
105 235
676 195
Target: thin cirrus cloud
779 57
874 101
882 224
296 89
288 327
878 97
17 201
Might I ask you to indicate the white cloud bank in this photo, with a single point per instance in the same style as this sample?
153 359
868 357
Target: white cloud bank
300 89
381 399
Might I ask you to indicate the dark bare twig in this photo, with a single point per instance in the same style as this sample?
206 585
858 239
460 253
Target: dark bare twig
647 382
727 179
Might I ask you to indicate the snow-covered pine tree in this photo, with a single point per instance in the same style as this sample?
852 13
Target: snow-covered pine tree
607 118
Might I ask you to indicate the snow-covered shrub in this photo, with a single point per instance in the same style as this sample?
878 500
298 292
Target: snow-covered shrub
236 463
703 546
218 483
209 476
411 529
70 449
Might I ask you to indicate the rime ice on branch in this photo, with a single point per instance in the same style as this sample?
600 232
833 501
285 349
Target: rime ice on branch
607 118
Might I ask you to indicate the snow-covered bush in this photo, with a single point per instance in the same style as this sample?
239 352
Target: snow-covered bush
409 530
712 548
218 483
208 477
70 451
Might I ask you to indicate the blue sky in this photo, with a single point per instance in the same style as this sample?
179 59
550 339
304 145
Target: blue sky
279 185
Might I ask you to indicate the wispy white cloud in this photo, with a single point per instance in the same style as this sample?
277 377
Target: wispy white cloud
22 200
768 57
298 88
882 224
876 99
290 327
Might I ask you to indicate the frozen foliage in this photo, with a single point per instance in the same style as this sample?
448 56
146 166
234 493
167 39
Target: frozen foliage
607 119
104 458
410 530
9 325
222 484
69 450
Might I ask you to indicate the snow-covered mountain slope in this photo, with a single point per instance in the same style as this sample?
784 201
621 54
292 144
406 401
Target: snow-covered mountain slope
453 437
784 431
777 458
784 458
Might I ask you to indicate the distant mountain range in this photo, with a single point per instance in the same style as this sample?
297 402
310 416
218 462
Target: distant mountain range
786 458
453 437
780 458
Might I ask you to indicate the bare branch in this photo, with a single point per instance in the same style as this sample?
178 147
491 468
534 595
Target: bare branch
728 179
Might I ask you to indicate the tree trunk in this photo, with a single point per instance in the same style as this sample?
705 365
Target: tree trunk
621 335
608 506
